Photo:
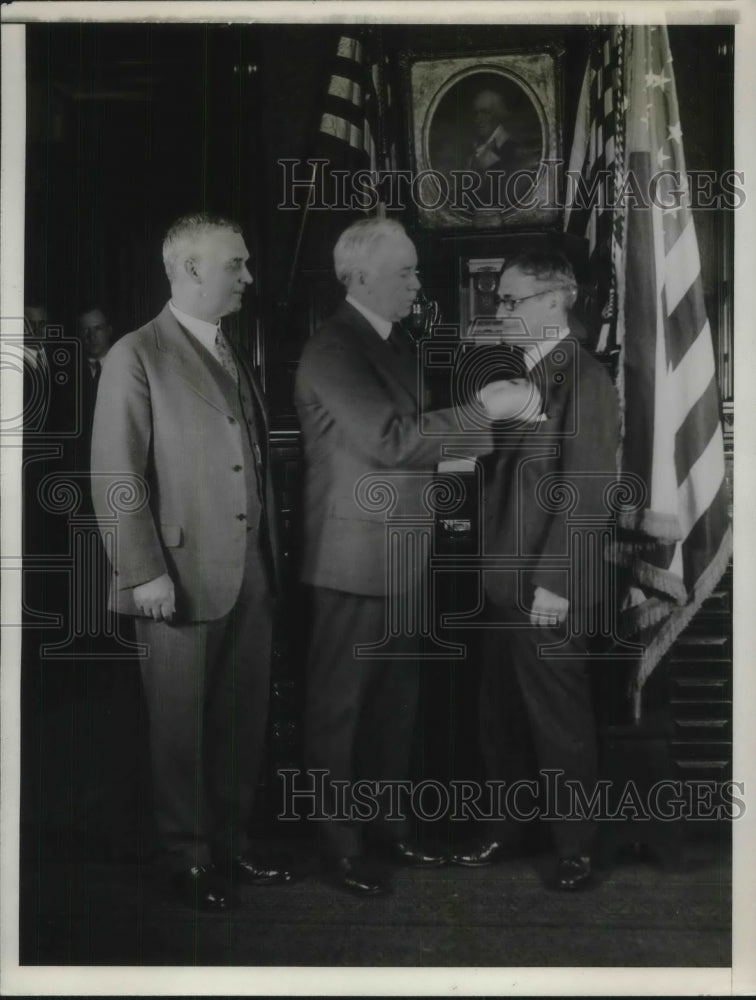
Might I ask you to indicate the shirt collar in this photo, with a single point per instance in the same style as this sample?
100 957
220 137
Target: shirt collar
381 326
537 351
204 332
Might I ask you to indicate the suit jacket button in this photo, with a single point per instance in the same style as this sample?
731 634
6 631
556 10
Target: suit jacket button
231 420
241 517
236 468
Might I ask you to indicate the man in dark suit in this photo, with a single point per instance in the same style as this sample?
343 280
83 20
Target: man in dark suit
181 421
95 334
555 469
357 399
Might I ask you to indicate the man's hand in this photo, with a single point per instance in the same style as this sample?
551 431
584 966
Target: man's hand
511 399
548 608
156 598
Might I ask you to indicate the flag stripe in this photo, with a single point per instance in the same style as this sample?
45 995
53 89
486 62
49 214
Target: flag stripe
334 107
686 325
697 429
689 381
346 89
700 486
349 48
683 265
705 537
339 128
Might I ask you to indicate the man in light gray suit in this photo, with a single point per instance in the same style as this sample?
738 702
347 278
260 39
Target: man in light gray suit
197 562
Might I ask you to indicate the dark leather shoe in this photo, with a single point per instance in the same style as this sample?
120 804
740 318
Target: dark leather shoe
484 852
357 875
250 872
202 889
573 874
401 853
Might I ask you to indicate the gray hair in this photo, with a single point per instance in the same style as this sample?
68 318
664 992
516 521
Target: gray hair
358 243
184 233
550 267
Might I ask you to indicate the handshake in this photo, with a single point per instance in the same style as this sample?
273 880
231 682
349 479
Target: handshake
512 399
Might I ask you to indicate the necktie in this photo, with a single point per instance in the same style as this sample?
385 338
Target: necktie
225 356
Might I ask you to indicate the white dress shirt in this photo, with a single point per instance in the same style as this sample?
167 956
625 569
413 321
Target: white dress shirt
536 351
203 331
381 326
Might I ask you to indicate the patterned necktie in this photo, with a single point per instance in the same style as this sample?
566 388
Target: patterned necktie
225 356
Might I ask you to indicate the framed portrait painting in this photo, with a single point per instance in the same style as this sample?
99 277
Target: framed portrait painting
485 138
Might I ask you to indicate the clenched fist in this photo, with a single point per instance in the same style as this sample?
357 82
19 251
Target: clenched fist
548 608
511 399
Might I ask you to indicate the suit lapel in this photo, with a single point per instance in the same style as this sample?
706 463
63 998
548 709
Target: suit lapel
260 405
185 358
546 368
399 367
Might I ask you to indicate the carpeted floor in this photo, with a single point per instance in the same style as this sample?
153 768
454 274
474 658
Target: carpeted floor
637 915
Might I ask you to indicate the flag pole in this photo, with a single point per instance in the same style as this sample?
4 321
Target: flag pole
300 235
380 95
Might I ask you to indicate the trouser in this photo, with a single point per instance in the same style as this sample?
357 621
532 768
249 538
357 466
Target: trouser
359 717
207 691
537 709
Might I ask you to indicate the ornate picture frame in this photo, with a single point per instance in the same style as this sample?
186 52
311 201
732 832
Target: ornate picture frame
485 138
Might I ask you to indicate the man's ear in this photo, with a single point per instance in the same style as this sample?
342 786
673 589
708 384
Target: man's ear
190 266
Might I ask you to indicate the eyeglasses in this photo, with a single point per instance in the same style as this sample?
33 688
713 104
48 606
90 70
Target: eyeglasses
510 302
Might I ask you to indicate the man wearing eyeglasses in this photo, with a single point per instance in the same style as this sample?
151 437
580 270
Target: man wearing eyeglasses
357 400
531 700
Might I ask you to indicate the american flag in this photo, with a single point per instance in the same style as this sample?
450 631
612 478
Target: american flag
595 163
357 126
350 123
676 542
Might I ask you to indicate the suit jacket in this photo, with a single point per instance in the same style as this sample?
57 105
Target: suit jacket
164 413
557 469
357 401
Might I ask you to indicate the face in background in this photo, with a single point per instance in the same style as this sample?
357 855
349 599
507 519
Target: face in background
488 112
388 283
220 269
35 320
540 305
95 334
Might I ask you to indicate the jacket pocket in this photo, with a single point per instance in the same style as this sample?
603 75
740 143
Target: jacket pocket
172 535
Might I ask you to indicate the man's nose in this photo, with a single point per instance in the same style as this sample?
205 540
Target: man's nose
414 282
246 276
